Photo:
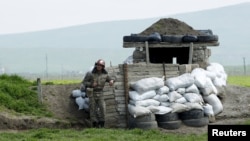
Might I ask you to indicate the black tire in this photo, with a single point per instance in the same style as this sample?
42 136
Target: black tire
154 37
191 114
167 117
146 118
176 39
170 124
131 122
172 39
206 32
135 38
166 38
189 38
196 122
207 38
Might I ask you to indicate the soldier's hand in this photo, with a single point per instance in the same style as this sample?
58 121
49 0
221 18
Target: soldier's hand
111 82
94 84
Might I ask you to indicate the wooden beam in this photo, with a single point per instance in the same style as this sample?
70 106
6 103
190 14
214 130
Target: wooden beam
191 49
126 91
147 53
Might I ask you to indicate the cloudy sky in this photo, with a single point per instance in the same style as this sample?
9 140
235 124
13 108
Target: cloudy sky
17 16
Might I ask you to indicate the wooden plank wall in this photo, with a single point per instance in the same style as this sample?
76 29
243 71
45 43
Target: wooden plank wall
115 97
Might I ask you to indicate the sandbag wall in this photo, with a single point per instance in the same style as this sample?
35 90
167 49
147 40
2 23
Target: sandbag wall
190 98
116 97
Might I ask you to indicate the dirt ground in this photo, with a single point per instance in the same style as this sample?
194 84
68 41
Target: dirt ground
58 98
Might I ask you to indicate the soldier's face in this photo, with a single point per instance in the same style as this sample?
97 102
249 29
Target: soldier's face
99 67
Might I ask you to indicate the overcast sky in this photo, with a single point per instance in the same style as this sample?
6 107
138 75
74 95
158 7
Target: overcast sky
18 16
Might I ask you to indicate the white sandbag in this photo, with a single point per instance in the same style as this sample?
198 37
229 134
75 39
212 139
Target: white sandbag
132 102
221 76
129 60
137 111
81 103
77 93
162 90
174 96
192 105
193 97
161 98
153 109
147 84
166 104
181 100
147 102
182 81
215 102
209 88
208 111
210 74
199 75
146 95
217 68
86 99
163 110
134 95
157 97
181 90
178 107
192 89
164 98
220 82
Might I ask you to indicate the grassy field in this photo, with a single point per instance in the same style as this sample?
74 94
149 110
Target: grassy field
239 80
11 97
92 134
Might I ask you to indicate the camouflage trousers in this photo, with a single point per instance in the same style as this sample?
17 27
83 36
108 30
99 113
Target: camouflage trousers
97 107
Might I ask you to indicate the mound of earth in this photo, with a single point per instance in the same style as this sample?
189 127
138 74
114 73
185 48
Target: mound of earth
170 26
58 98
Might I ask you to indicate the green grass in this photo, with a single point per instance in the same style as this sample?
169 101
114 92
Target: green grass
16 95
60 82
92 134
239 80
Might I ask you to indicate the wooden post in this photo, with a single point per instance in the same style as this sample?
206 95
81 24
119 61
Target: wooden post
39 90
147 52
191 48
126 91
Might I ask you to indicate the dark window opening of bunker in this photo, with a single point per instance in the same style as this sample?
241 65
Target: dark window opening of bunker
178 55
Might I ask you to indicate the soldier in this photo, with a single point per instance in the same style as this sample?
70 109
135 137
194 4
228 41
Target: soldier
94 83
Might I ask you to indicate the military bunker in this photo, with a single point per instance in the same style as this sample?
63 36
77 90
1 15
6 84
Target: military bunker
168 48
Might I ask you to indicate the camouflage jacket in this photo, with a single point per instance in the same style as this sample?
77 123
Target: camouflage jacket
99 78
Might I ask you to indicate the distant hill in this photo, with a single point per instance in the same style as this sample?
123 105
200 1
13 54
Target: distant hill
230 23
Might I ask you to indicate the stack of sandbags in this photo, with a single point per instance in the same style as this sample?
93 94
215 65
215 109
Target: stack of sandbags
196 92
81 99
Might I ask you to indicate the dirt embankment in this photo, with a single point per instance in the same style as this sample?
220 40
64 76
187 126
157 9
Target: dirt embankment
58 98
